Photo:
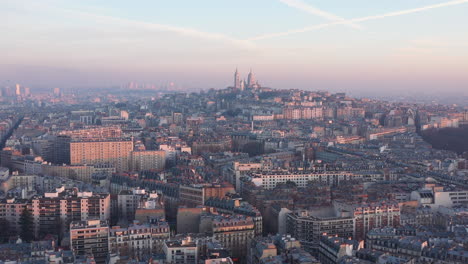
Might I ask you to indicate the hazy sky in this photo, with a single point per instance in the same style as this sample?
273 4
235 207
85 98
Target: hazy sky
358 45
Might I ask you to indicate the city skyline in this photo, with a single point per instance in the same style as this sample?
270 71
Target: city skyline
354 47
233 132
241 175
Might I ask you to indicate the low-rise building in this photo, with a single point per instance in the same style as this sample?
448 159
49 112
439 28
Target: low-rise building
269 179
197 194
139 240
234 232
236 206
184 251
333 248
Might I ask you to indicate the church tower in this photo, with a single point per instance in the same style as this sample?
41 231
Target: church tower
237 83
250 80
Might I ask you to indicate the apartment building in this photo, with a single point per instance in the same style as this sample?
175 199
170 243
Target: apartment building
370 215
147 160
308 226
108 151
184 251
198 194
269 179
90 237
54 211
139 240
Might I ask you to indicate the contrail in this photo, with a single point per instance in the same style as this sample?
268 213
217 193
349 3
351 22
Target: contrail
140 24
298 4
357 20
410 11
163 27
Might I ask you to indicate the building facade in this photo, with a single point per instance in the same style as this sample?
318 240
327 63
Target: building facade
108 151
90 237
54 211
139 240
269 179
370 215
147 160
184 251
308 227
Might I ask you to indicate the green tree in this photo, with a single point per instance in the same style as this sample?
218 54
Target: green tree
4 230
253 148
291 184
26 224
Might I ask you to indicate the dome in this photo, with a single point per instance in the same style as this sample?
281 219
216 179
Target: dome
430 180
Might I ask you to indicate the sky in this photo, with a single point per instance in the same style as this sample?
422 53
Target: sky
359 46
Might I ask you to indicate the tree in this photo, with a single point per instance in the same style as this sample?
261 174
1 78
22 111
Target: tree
291 184
453 139
59 223
26 224
233 112
120 105
4 230
253 148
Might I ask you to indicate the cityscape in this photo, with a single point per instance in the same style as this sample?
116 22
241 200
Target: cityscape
243 165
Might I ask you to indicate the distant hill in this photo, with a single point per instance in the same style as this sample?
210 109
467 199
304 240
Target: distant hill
454 139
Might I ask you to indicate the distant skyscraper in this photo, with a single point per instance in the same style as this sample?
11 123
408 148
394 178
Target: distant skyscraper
18 90
7 91
250 79
27 91
57 91
237 82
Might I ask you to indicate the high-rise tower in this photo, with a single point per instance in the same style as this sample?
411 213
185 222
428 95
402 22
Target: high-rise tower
18 90
237 83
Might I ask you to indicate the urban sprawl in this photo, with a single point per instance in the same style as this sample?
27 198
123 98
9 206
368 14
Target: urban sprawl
245 174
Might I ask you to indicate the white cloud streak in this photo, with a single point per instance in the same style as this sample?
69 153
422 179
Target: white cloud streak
358 20
112 20
163 27
298 4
